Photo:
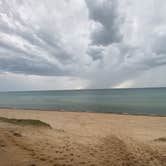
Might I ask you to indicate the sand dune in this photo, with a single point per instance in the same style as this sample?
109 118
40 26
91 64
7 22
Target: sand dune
82 139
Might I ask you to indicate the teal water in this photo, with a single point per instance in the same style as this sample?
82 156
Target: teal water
148 101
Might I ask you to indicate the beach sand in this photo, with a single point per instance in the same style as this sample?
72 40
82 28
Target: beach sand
82 139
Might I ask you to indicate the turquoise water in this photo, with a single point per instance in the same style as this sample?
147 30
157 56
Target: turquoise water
149 101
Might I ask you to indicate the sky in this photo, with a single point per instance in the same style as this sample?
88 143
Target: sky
79 44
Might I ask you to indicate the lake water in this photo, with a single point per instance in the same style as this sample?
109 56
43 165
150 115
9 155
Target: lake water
148 101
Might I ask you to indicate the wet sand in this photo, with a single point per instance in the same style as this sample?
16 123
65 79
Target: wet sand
82 139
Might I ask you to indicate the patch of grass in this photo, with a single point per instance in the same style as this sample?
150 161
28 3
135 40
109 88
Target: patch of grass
161 139
25 122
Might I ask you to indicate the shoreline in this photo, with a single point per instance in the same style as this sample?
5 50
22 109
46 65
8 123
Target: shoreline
62 110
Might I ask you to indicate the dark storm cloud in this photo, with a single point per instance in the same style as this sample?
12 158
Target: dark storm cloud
105 14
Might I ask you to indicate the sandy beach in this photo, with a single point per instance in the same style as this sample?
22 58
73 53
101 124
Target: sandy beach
82 139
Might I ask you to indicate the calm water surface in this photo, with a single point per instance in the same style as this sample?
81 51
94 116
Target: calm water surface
149 101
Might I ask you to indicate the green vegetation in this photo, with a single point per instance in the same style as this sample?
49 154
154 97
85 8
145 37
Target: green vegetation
25 122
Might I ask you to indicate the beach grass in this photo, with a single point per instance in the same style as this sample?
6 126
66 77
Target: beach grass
161 139
25 122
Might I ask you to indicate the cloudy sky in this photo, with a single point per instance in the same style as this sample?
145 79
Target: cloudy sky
76 44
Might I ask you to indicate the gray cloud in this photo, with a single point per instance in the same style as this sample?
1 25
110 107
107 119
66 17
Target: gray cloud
95 52
38 51
99 43
29 66
158 45
105 14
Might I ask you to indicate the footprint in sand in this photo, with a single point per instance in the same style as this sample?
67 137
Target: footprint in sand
51 161
33 165
82 162
71 154
17 134
42 159
56 151
2 144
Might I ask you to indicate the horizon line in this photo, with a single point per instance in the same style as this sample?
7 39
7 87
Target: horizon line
82 89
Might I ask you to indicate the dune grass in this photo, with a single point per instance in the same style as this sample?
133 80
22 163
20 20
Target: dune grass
25 122
161 139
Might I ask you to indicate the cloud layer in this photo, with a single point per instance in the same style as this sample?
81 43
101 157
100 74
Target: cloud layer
82 43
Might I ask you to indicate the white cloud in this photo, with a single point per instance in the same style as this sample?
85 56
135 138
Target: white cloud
10 82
